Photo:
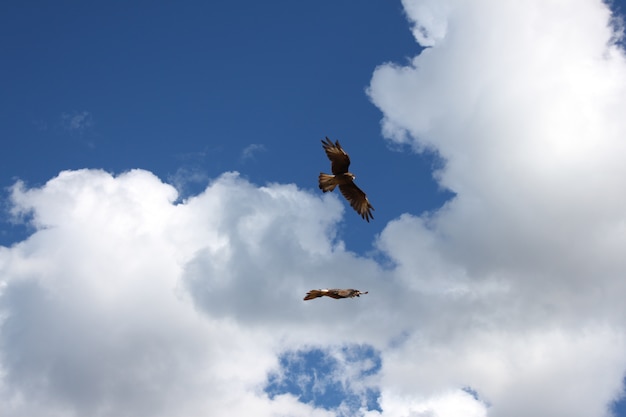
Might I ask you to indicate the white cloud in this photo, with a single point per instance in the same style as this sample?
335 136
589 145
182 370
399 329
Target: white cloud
123 302
429 20
521 99
251 150
186 177
97 305
447 404
77 121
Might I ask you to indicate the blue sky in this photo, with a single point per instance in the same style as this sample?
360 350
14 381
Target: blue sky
161 219
184 90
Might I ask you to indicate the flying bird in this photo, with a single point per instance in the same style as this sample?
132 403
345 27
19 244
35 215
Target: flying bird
333 293
339 163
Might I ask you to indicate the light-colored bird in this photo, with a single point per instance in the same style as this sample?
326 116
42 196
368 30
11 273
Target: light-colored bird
333 293
339 163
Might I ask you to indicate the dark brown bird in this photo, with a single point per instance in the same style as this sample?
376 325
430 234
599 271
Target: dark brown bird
333 293
339 163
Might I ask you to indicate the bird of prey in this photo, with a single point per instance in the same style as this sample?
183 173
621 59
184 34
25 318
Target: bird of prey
333 293
339 163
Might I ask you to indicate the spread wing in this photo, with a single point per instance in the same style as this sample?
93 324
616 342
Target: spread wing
339 159
358 200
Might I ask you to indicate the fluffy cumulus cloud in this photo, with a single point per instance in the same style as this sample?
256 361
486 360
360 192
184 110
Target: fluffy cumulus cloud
506 302
124 301
522 100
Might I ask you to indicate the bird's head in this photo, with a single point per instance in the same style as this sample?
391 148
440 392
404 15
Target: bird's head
351 175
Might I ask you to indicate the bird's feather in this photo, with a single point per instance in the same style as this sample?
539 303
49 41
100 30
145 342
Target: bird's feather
340 161
335 293
358 200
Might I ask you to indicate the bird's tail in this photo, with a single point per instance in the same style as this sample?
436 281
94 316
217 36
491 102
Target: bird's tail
327 182
313 294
